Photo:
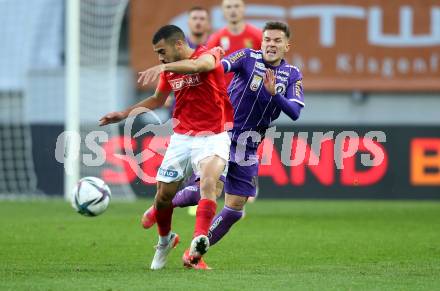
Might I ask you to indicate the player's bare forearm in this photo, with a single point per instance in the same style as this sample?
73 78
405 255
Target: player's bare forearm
205 63
153 102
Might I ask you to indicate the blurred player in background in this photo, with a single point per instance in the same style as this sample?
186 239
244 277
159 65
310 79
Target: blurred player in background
237 34
264 84
200 141
199 25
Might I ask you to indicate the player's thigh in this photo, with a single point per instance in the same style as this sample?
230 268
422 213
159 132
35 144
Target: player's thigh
204 147
176 159
241 180
210 155
235 202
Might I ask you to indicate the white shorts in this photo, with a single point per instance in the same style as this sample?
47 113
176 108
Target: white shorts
184 153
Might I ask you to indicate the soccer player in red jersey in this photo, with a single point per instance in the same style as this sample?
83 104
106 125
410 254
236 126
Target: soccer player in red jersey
199 25
200 140
237 34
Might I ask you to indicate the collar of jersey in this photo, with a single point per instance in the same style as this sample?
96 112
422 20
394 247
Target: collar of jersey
274 67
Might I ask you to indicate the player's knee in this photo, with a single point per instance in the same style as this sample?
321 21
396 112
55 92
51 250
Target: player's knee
235 202
163 198
161 202
219 188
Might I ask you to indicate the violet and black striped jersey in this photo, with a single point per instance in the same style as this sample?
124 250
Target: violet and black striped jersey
254 107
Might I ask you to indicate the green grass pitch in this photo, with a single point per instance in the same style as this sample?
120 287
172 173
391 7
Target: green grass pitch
290 245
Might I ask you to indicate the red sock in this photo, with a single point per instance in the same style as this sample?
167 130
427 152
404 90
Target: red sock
163 217
204 215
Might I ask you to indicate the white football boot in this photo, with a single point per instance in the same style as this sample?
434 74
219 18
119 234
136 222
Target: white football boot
162 251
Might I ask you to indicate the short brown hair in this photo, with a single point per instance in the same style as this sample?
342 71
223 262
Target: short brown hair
277 25
198 8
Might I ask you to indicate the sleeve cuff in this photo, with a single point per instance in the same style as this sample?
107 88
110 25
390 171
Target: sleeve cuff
226 65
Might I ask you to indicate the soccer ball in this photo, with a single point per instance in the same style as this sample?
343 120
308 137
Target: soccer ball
91 196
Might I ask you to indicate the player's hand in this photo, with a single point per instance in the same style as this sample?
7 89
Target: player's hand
219 50
112 117
269 82
150 75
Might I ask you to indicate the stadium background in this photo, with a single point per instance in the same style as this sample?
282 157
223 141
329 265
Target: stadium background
368 65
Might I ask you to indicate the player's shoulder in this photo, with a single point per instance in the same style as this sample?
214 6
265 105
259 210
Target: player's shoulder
248 53
292 71
219 33
255 54
200 50
214 38
240 55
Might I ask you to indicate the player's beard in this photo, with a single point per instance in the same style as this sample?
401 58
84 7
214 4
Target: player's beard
176 57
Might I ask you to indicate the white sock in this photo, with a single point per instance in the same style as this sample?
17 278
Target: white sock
163 240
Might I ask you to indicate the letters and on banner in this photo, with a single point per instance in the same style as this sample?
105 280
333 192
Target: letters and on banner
339 45
404 163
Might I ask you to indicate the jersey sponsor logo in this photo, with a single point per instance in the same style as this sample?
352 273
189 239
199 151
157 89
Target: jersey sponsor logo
287 74
260 66
280 88
236 56
259 73
185 81
168 173
256 56
256 82
282 79
214 225
225 43
298 88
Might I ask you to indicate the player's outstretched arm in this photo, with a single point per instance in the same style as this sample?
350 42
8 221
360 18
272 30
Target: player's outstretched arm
204 63
153 102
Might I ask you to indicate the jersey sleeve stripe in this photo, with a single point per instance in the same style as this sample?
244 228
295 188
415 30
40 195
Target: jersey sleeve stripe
297 101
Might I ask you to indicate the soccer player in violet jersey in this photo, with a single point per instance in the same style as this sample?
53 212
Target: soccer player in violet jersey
264 84
200 139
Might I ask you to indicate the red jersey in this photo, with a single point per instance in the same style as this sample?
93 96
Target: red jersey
251 37
202 104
